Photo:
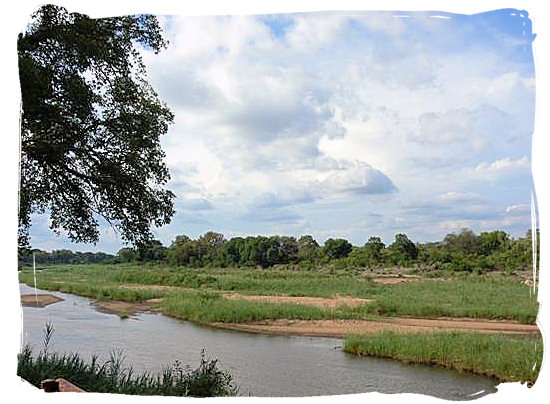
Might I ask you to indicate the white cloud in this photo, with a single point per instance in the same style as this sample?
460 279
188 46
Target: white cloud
359 179
337 111
505 166
458 197
449 126
309 32
519 208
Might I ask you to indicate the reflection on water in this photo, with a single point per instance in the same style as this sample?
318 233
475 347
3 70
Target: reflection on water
262 365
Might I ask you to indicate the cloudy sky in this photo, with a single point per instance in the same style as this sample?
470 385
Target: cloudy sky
344 125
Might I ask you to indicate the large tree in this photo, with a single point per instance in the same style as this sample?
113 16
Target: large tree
90 126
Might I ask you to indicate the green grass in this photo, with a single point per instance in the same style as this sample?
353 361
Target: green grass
472 296
251 281
209 307
509 359
475 296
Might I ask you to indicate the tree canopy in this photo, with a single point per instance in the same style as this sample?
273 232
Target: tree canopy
90 126
497 252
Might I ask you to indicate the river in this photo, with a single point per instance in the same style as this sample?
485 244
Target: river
262 365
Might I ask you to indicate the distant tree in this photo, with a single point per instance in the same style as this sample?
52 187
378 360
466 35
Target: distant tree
181 251
127 254
465 242
493 241
374 247
90 126
308 248
213 240
231 251
208 248
152 251
402 251
288 249
337 248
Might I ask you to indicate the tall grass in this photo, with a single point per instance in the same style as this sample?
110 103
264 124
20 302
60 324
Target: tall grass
475 296
113 376
210 307
509 359
251 281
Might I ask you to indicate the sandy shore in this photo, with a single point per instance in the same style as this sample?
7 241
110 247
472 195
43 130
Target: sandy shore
125 308
340 328
318 328
308 301
39 300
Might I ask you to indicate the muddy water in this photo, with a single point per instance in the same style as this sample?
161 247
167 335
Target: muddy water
262 365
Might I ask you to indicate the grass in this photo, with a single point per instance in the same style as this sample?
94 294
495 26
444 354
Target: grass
509 359
474 296
209 307
113 376
198 298
249 281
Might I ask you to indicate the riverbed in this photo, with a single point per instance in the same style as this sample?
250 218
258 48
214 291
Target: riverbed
262 365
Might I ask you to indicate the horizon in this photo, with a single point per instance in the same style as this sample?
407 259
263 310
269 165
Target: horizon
343 125
320 242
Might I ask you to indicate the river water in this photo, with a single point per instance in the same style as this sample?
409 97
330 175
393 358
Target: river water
262 365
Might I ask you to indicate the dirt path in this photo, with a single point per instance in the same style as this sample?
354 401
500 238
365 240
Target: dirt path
309 301
40 300
340 328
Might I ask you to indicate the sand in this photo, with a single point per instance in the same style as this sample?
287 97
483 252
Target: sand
39 300
340 328
309 301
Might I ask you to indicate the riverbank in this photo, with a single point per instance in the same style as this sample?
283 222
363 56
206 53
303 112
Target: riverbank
244 294
395 333
507 359
398 325
333 328
318 304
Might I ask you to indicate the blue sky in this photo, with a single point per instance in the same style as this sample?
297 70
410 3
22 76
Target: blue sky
344 124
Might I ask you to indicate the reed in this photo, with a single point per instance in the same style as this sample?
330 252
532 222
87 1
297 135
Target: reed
509 359
112 376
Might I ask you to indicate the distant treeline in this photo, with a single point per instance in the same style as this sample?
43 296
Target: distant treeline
462 251
64 257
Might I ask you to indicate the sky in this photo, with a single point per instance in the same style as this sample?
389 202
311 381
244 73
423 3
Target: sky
343 124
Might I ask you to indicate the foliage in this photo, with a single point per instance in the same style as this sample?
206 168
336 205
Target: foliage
510 359
402 251
308 248
151 251
464 252
337 248
25 257
90 126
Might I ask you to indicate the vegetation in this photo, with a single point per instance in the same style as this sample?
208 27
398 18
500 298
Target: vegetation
195 294
207 380
63 257
509 359
462 252
465 296
91 126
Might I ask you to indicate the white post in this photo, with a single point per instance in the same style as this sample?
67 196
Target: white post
34 273
534 241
